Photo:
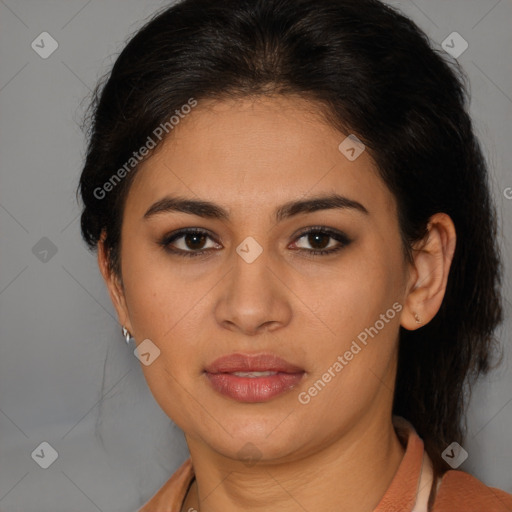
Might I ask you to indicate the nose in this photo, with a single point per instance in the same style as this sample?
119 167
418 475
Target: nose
253 298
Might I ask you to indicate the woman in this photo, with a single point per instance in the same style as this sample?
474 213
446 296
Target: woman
293 220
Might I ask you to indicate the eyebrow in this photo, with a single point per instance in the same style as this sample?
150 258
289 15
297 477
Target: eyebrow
211 210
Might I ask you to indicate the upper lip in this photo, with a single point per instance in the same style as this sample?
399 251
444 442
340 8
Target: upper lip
251 363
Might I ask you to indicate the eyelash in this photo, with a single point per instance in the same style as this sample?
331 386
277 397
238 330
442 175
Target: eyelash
340 237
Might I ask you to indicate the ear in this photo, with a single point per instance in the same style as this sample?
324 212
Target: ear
114 285
429 273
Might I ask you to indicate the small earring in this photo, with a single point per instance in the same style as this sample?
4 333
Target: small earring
126 334
417 318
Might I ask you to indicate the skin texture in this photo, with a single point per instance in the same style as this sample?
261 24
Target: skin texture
339 451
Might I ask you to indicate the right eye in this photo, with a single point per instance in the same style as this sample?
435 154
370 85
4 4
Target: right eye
191 243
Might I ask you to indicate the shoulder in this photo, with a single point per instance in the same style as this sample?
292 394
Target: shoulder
459 491
170 496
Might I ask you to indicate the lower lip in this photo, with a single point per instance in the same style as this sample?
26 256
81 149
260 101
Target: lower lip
253 389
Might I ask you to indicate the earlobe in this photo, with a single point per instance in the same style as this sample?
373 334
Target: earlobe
417 318
114 284
432 261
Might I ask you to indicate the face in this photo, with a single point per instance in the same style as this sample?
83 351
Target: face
319 285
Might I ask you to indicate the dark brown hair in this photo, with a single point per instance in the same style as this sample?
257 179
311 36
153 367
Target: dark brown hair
374 74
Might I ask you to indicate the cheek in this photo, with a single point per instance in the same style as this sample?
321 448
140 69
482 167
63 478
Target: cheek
352 296
158 293
163 305
358 309
169 303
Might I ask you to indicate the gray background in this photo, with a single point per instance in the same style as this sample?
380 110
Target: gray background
66 375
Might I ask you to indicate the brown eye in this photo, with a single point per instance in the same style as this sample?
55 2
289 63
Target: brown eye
194 241
319 241
189 242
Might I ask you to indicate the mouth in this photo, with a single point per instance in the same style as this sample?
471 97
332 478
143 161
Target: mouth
253 374
252 378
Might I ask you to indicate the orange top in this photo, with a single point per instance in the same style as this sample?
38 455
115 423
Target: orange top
455 491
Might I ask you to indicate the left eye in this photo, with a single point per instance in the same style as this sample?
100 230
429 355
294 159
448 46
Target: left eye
318 239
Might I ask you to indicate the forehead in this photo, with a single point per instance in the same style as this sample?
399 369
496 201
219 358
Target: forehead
251 153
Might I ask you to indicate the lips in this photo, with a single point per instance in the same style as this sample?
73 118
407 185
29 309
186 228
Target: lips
252 378
251 363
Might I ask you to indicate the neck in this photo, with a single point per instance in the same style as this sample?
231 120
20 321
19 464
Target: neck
350 473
